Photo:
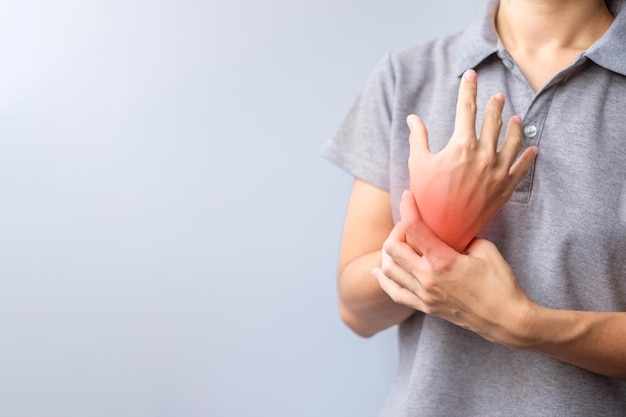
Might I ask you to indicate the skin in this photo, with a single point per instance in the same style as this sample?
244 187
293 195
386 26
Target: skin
454 210
477 290
552 32
363 305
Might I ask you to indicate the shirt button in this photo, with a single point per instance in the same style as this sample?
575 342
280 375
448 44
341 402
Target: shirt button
508 63
530 131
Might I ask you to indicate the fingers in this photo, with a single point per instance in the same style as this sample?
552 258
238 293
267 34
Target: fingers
465 121
418 139
409 214
401 277
417 234
404 264
510 149
397 234
492 122
520 168
512 141
397 293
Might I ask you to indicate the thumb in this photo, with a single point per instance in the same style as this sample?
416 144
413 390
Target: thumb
418 235
418 139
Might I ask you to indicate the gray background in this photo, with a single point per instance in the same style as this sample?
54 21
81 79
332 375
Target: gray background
168 230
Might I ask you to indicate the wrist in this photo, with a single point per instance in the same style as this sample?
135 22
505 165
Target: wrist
526 332
544 329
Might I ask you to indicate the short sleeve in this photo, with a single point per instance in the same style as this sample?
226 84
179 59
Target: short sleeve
361 144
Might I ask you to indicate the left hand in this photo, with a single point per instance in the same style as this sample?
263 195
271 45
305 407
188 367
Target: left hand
461 188
476 290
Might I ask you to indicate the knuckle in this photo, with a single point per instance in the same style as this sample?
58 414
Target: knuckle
487 158
386 268
469 105
503 171
493 118
496 119
467 145
415 272
439 265
430 287
428 301
470 145
388 247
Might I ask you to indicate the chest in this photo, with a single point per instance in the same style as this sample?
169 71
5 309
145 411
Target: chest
578 122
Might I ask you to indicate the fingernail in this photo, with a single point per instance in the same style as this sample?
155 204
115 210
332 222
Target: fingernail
470 75
406 194
517 119
410 120
499 97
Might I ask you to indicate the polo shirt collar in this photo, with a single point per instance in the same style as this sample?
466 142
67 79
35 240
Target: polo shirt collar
610 50
480 40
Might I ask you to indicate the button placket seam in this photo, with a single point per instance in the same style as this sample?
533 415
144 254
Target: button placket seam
530 179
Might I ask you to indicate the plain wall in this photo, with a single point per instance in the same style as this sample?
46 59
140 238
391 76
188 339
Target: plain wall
168 230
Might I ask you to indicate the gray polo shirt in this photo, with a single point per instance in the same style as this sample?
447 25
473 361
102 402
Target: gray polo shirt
563 231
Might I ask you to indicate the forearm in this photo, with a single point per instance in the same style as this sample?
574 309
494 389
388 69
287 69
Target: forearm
363 305
591 340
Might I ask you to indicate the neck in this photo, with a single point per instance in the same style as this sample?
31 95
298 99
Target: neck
525 26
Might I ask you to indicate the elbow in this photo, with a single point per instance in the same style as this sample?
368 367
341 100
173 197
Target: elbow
355 323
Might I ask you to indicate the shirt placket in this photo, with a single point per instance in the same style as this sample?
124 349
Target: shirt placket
534 117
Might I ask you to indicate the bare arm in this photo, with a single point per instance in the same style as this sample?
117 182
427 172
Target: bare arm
591 340
479 291
363 305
